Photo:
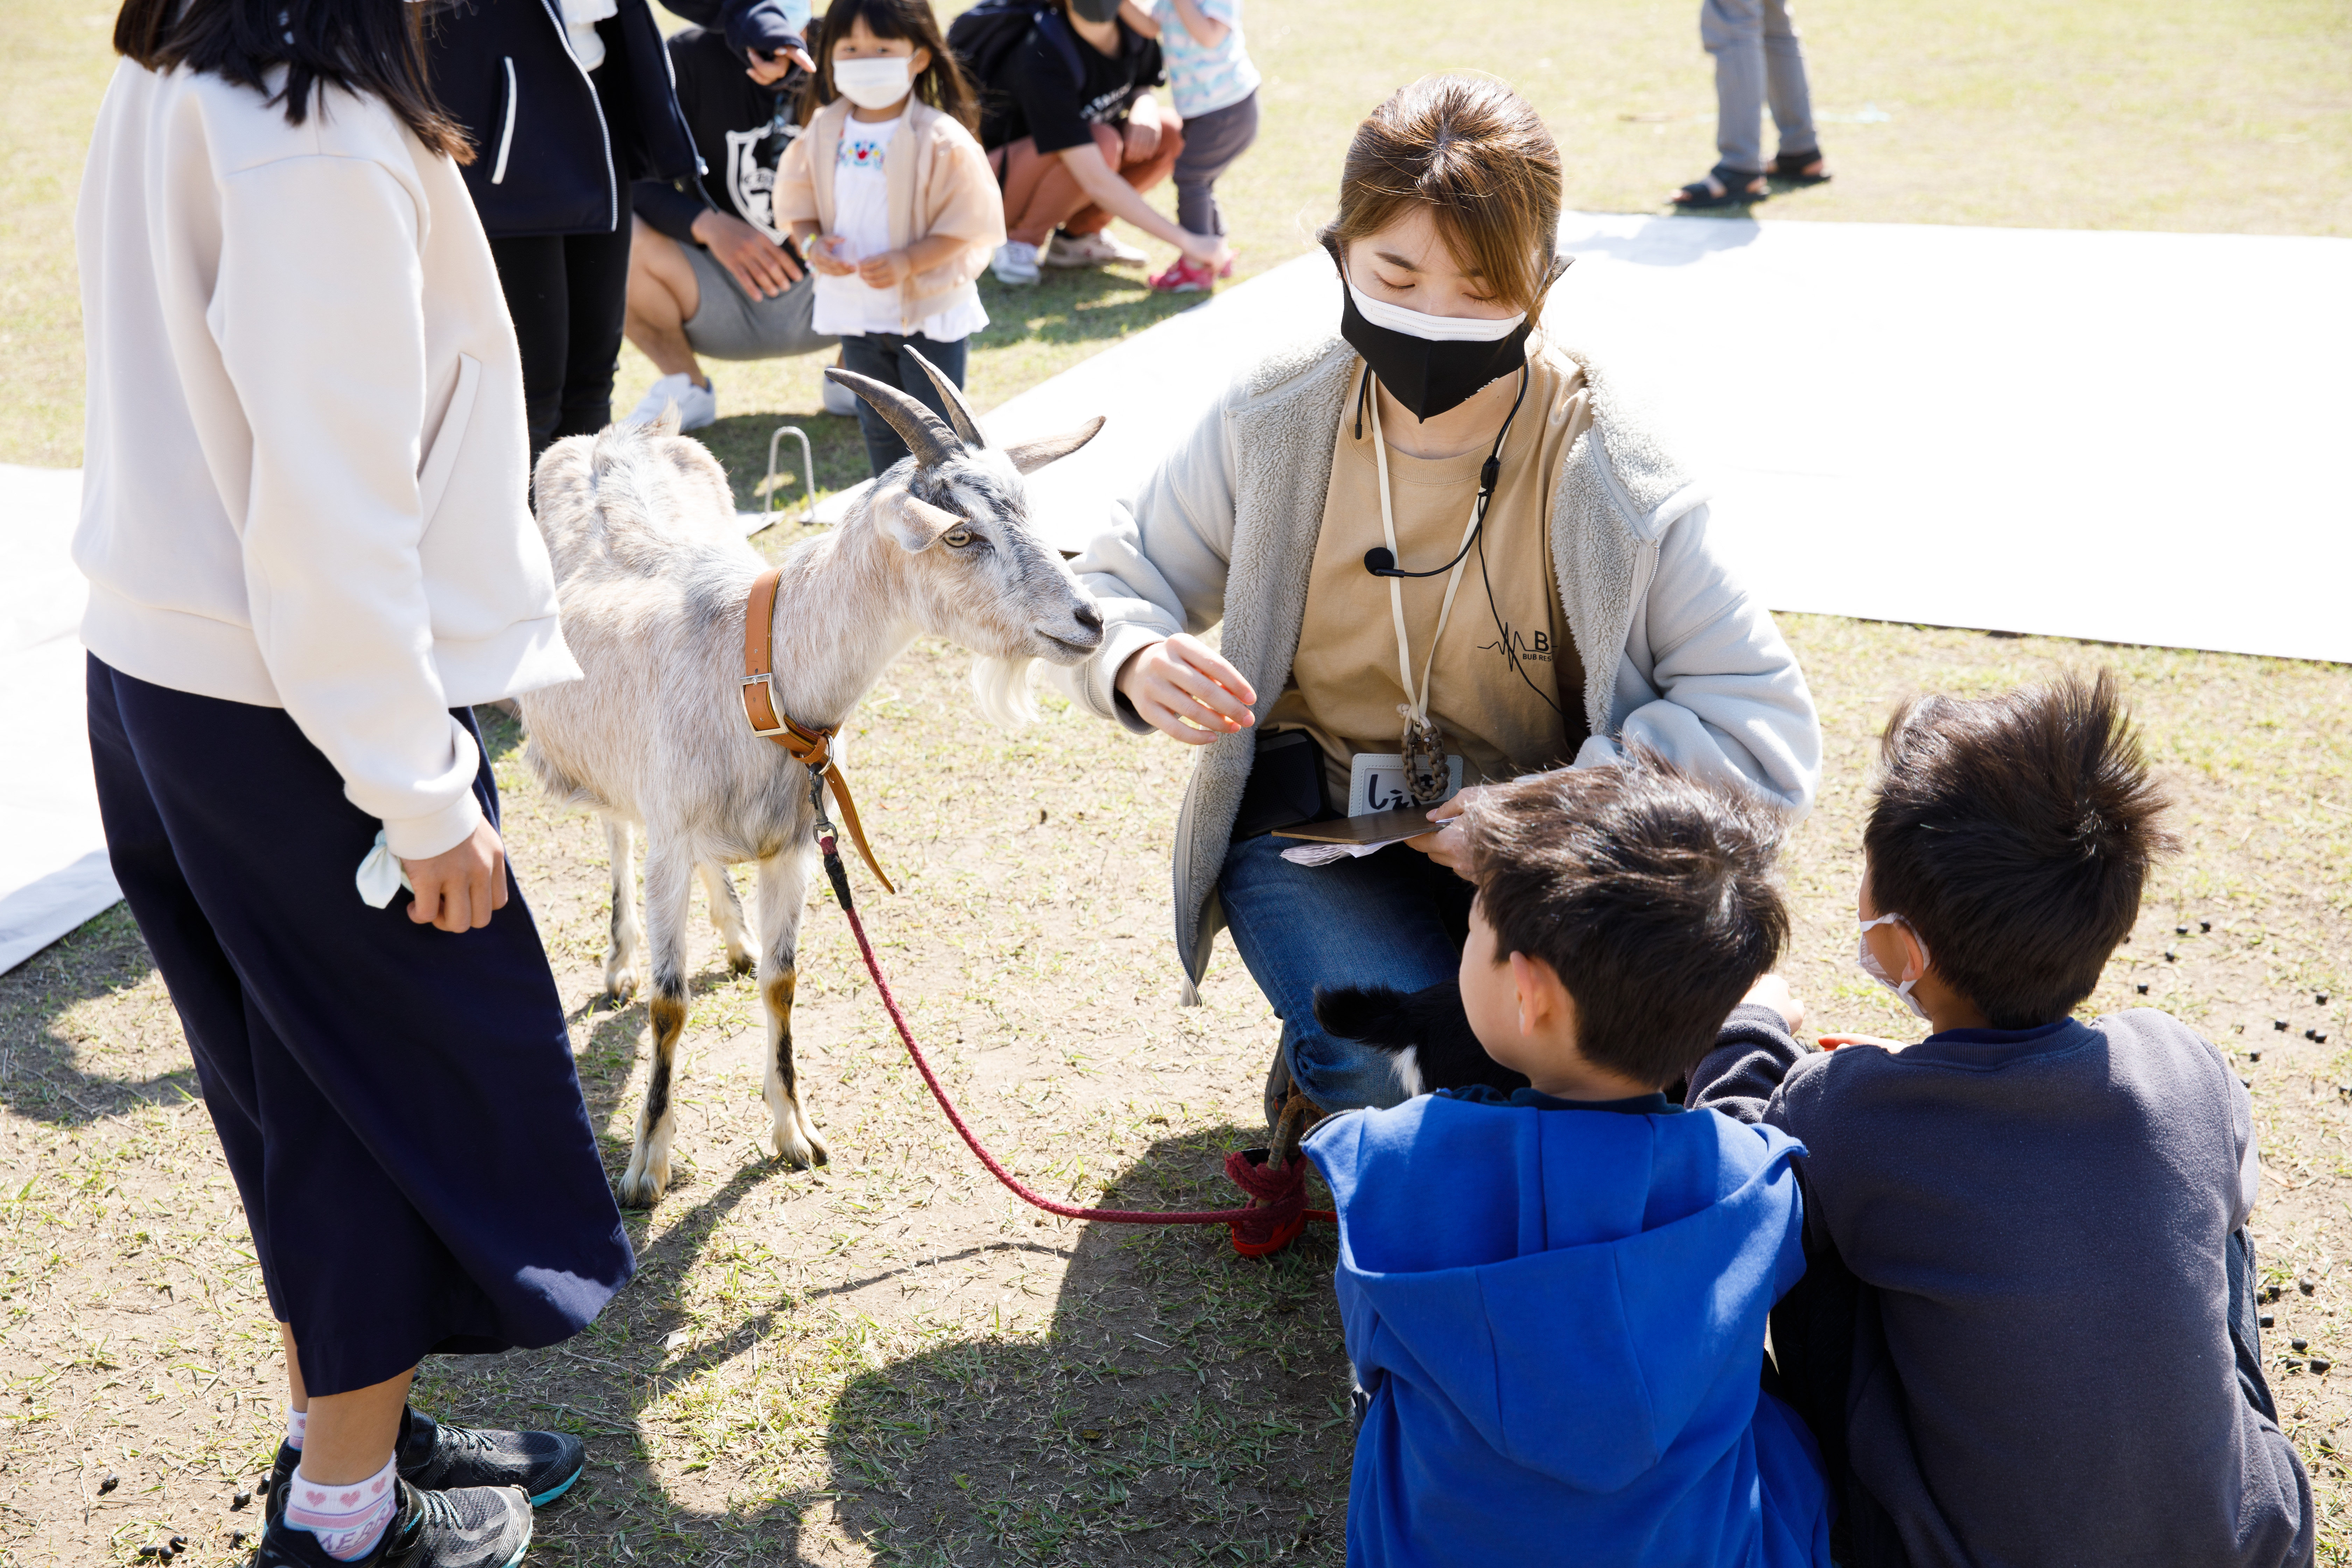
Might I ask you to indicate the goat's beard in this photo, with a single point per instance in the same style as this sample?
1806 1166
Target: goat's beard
1002 687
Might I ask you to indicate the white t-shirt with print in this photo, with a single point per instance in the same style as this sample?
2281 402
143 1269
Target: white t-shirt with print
1203 81
849 306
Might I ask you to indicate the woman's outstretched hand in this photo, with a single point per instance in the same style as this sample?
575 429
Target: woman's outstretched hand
457 889
1182 688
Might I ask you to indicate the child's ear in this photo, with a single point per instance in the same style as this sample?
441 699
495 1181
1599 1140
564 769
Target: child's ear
1543 1000
919 61
1915 952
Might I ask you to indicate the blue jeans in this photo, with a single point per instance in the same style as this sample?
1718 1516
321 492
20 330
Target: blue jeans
882 357
1396 918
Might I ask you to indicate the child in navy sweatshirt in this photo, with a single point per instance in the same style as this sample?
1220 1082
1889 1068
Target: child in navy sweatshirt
1555 1301
2026 1334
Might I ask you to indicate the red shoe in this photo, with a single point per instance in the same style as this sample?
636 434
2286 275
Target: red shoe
1184 276
1224 271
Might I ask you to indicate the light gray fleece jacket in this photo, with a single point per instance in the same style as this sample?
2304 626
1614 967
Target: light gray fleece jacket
1226 531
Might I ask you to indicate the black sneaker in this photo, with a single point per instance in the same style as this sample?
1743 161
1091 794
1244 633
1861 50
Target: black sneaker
474 1527
541 1465
438 1457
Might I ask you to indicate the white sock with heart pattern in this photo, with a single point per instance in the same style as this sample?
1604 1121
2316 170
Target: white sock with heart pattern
348 1519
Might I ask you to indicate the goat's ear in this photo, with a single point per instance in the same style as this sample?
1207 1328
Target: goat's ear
1031 456
911 521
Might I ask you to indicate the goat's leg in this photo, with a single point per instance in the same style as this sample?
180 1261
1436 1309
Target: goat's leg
669 887
727 914
628 936
784 883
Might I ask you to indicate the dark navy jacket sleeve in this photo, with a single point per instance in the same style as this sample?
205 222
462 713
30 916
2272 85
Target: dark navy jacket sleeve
1753 1053
749 24
667 208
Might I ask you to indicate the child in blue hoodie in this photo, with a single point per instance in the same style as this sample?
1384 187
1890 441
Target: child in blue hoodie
1555 1301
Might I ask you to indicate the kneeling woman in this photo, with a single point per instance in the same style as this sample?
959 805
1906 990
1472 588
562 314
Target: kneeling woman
1559 593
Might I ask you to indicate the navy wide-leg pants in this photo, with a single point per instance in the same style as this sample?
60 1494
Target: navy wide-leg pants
398 1105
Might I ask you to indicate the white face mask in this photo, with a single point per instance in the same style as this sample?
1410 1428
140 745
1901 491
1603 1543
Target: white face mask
1434 329
873 83
1878 971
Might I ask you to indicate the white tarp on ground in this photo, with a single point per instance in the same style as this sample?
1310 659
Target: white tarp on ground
2127 437
53 867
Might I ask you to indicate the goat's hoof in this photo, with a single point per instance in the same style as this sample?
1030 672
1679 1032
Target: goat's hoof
639 1189
742 963
797 1148
620 988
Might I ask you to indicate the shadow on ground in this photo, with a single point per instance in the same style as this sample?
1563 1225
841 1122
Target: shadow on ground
53 1071
1183 1402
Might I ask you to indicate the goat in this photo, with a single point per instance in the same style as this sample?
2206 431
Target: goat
653 575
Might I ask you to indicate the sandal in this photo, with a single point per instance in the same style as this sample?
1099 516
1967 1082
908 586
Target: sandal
1723 187
1791 167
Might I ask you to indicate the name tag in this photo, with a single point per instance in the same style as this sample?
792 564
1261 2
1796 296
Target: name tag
1377 782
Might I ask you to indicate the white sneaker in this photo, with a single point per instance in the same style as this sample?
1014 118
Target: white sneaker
1015 263
838 399
697 405
1097 249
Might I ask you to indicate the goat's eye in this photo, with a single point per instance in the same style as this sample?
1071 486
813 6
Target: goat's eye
957 538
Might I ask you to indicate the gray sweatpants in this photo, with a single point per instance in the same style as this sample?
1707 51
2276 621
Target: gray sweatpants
1756 57
1212 142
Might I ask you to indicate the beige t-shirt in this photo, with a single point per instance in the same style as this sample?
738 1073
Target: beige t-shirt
1344 685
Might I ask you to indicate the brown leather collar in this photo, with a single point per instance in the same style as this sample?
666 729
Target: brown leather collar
813 749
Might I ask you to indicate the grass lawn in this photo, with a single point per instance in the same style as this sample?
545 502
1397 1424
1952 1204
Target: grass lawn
888 1361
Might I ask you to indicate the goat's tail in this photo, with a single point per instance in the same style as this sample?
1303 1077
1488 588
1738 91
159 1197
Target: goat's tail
1002 687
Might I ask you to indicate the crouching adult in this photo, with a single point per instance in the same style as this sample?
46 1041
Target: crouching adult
1564 595
1074 133
712 275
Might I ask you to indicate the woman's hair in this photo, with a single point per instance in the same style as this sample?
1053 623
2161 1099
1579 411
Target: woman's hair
1478 156
371 48
942 85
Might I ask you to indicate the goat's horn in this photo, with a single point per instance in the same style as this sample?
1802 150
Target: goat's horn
959 413
931 442
1029 457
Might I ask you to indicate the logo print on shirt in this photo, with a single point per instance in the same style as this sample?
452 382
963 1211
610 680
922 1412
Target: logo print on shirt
858 154
1522 647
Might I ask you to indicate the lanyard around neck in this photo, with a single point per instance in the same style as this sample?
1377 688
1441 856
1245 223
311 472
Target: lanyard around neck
1417 699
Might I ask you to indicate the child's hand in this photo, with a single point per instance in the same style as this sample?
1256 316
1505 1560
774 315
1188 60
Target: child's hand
1209 250
1772 991
887 270
1832 1042
1444 842
824 255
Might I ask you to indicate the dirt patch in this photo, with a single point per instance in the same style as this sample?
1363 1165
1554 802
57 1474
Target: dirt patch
889 1359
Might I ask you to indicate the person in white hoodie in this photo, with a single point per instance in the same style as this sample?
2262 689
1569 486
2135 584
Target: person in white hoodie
310 549
1445 550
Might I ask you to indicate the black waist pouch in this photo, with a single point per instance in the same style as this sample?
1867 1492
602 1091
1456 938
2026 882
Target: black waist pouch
1285 785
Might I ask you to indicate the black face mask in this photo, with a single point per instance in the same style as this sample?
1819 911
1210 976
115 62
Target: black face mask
1088 9
1428 378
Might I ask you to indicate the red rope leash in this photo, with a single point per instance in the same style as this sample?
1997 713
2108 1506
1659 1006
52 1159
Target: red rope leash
1281 1194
